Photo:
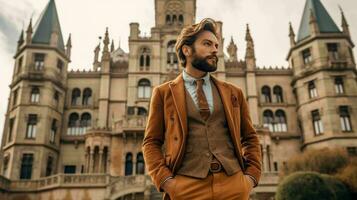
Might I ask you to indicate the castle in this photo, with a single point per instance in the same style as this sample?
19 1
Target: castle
78 134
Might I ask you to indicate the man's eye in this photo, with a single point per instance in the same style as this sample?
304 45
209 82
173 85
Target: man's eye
206 44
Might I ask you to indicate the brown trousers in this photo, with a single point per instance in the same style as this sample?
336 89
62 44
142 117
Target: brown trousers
216 186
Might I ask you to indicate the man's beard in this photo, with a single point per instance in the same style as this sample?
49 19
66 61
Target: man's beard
202 64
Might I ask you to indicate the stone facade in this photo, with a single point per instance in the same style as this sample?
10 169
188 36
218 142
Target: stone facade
78 134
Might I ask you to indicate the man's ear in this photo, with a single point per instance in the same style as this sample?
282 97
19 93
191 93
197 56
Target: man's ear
187 51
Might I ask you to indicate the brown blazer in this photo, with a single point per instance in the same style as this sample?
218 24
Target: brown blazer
167 125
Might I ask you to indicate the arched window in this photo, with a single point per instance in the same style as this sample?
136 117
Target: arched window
180 19
76 94
144 88
73 124
268 120
174 19
86 122
280 121
278 94
168 19
140 165
171 54
87 96
129 164
142 111
266 94
144 58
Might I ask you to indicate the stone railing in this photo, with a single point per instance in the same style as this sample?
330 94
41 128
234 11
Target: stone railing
4 183
61 180
131 123
120 186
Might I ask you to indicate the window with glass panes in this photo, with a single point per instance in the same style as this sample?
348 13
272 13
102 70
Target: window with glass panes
339 85
26 166
39 61
53 131
312 89
332 49
31 126
49 166
306 55
35 95
317 122
144 88
345 119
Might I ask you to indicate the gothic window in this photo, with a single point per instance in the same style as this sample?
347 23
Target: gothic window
180 19
76 94
144 89
280 121
129 164
14 98
49 166
306 55
56 97
174 19
31 126
87 97
140 166
60 65
142 111
35 95
73 124
11 127
85 122
53 131
317 123
26 166
278 93
19 65
171 54
168 19
345 119
5 165
332 49
268 120
312 89
339 85
266 94
39 61
144 58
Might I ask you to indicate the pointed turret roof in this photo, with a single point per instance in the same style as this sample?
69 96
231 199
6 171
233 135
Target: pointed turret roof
46 24
324 21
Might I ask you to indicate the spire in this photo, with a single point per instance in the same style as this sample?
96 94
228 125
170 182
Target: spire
291 35
112 48
315 12
250 45
232 50
69 46
29 33
48 29
21 39
345 27
96 52
105 53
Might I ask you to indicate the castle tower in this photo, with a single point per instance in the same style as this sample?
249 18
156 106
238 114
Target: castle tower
34 118
324 80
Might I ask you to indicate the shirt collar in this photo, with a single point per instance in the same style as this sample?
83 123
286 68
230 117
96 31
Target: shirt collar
191 80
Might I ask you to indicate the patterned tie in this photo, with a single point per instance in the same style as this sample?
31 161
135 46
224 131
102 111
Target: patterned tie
202 101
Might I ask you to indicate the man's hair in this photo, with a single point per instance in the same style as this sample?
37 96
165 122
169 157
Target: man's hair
189 35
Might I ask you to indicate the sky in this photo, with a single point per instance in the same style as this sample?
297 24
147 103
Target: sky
86 20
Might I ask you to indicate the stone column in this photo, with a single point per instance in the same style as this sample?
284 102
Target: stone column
100 160
86 161
265 158
91 160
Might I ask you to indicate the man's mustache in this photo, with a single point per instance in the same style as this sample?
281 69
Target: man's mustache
213 56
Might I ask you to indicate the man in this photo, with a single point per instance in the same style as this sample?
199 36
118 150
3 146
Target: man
210 148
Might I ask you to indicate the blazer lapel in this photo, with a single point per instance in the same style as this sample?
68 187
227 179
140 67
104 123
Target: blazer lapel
177 88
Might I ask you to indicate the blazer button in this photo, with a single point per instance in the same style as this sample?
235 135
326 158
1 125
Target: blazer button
175 138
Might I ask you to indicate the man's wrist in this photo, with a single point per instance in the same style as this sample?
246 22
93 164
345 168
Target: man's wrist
166 179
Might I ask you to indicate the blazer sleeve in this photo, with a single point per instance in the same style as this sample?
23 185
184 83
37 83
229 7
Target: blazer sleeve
250 142
153 141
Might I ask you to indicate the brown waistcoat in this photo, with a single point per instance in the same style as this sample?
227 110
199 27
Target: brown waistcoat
207 140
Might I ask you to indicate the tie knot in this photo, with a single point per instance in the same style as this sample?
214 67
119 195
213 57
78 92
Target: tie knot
199 81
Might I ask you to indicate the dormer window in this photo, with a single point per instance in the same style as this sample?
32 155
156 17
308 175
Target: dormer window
306 55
